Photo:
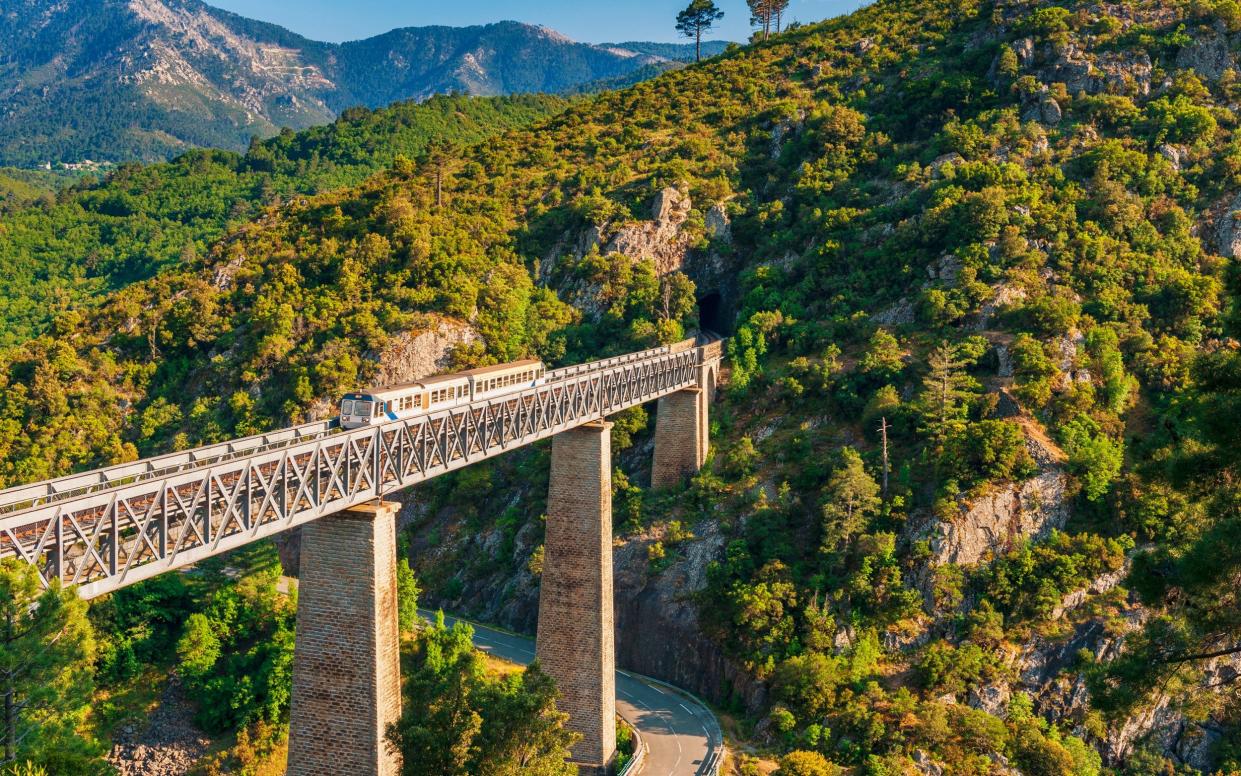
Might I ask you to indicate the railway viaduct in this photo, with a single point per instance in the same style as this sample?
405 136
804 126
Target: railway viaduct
106 529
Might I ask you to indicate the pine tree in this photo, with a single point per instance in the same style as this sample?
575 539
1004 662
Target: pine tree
440 156
760 15
767 15
778 7
851 499
47 650
945 389
407 592
697 18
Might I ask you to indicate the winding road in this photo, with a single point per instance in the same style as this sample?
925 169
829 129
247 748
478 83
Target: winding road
681 735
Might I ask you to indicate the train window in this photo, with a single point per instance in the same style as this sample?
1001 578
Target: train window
346 407
362 409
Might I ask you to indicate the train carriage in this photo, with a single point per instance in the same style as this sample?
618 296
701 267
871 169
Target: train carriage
384 405
489 381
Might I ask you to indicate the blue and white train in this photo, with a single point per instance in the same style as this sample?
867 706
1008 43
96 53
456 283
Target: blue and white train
383 405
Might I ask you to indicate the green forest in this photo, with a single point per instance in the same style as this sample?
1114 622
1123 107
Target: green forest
71 249
974 471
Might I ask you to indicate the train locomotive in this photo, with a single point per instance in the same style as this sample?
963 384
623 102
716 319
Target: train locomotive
383 405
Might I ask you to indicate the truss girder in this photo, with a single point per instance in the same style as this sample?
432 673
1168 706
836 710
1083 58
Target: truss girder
171 511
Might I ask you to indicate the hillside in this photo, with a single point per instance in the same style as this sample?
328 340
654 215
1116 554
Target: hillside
118 81
102 235
1004 233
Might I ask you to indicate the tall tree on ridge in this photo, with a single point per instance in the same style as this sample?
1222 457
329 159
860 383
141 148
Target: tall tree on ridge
698 17
440 156
767 14
778 7
760 15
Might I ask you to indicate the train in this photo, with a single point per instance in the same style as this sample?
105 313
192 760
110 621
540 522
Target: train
376 406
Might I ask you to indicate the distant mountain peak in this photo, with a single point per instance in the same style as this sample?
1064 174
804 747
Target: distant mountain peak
142 79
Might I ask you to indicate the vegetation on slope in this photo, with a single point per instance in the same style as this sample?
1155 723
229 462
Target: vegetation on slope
935 232
98 237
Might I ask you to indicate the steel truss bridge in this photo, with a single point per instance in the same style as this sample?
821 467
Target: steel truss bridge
112 527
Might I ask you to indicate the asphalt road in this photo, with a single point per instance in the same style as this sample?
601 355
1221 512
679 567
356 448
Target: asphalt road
682 736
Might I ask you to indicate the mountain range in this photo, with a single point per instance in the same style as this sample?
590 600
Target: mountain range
144 79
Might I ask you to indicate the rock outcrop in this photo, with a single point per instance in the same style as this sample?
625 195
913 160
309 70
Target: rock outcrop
988 525
667 239
1209 55
662 239
1228 230
416 354
998 521
1126 72
657 628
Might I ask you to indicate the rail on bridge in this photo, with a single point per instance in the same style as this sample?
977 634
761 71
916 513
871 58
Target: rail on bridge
112 527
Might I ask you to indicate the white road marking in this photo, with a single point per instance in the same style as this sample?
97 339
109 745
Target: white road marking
664 716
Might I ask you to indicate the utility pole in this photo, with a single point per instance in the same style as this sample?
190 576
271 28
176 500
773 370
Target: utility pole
883 432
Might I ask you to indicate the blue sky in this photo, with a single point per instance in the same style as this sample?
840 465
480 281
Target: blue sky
585 20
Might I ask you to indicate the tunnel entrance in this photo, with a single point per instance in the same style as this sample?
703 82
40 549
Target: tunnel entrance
711 313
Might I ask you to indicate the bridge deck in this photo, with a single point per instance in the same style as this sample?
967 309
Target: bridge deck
112 527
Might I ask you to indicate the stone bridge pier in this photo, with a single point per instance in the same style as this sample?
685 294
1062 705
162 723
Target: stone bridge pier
575 644
576 630
346 659
682 428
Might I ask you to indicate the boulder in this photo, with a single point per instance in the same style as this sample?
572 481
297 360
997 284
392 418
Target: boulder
1003 360
1024 49
991 698
1174 155
1049 112
951 159
719 225
899 314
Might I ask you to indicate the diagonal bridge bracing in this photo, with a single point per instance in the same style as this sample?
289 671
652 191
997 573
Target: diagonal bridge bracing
107 529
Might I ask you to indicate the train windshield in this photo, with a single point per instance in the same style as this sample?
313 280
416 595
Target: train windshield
362 409
346 407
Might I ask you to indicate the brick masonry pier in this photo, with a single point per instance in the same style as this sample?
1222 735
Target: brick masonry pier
346 667
680 437
576 628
